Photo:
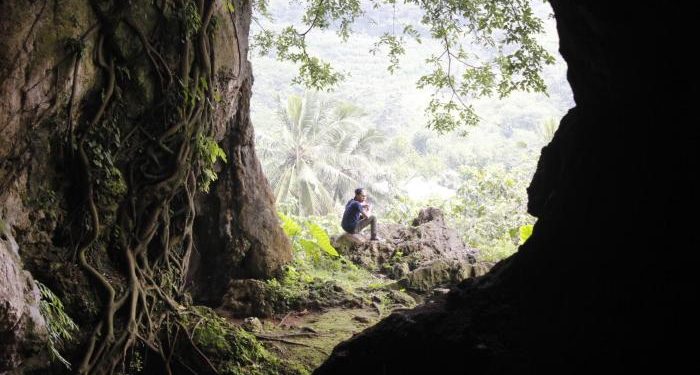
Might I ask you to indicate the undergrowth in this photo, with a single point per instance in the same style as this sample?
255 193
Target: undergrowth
318 276
230 349
315 258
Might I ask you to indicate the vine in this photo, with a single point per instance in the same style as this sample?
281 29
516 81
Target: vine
137 190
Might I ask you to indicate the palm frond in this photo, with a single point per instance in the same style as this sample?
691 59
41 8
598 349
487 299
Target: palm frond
367 140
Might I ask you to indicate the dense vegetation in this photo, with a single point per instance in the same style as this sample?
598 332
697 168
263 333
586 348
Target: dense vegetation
477 175
483 192
122 152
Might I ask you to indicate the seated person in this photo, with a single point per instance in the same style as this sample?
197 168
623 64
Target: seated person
358 215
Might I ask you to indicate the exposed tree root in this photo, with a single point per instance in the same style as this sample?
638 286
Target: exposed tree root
151 231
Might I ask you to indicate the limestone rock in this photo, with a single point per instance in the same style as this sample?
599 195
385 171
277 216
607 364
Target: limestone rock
23 333
401 298
437 273
252 324
248 298
424 255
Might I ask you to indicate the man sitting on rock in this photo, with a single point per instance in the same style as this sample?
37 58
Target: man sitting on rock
358 215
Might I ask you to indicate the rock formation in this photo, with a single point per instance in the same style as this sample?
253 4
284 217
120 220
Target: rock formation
605 283
422 256
23 332
109 117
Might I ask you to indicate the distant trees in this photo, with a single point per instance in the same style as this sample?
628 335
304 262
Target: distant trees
319 153
490 208
319 150
488 48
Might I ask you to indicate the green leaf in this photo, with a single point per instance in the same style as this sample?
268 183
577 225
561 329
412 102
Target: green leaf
321 237
311 248
60 326
525 233
290 227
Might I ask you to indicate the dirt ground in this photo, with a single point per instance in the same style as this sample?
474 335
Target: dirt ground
308 337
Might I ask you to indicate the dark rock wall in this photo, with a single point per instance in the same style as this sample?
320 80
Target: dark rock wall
606 282
606 278
237 232
36 76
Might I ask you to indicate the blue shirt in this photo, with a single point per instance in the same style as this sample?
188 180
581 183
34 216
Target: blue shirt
351 216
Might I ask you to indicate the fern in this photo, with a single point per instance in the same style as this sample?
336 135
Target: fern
310 237
60 326
209 153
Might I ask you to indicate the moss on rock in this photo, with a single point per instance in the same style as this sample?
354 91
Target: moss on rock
230 349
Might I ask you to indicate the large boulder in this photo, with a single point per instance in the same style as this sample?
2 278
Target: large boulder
248 298
424 255
435 273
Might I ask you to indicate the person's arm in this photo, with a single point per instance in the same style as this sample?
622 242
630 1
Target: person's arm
366 210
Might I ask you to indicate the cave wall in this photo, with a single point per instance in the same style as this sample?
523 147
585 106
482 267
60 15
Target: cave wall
238 215
605 283
607 279
237 231
23 330
35 77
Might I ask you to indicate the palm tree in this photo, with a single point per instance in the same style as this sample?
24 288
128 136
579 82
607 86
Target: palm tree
319 154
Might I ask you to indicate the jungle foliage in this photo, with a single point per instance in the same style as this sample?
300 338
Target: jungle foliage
318 275
320 150
485 188
509 57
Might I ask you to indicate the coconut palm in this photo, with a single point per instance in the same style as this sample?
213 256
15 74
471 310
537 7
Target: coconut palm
320 152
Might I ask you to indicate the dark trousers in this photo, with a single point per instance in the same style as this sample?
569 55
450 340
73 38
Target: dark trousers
372 221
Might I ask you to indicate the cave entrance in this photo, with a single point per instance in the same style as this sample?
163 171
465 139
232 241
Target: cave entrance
450 201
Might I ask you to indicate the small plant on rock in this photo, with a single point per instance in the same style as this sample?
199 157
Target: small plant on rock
60 326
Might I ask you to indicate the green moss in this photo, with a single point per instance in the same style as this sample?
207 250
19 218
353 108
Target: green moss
232 350
211 333
192 20
334 326
115 184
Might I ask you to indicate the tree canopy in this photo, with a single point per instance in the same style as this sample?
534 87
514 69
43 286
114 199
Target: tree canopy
488 47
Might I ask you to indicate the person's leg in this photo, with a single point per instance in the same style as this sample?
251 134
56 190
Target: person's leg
371 221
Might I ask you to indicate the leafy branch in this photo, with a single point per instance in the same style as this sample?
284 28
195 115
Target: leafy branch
60 326
505 55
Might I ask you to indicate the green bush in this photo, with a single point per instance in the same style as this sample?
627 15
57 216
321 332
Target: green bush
317 273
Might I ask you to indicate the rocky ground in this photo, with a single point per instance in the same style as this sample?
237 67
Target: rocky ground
304 320
421 257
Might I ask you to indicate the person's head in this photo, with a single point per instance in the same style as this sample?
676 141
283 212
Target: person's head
360 195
